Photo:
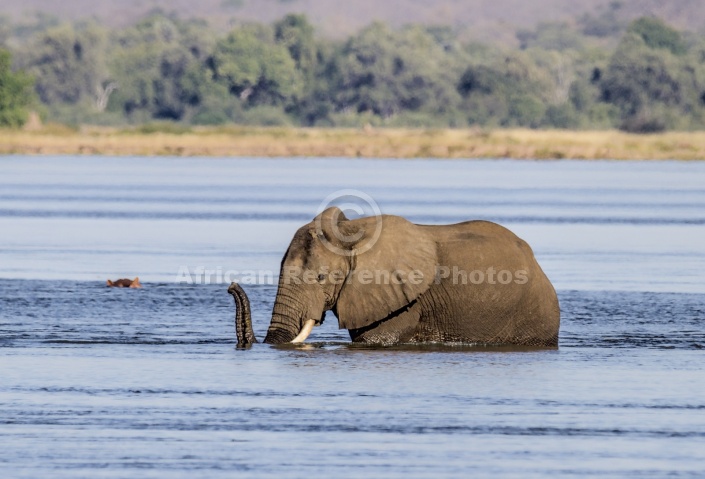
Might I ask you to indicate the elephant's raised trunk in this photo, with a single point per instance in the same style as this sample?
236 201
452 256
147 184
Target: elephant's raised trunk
285 326
243 317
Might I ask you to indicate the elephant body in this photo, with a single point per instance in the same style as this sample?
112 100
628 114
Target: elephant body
390 281
471 305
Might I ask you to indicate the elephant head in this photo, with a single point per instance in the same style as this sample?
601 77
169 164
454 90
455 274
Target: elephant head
363 270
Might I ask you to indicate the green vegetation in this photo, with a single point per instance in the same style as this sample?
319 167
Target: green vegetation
593 73
16 94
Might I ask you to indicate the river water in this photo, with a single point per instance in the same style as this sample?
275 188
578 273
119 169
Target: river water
102 382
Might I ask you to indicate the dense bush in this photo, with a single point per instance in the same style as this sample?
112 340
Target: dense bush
16 93
593 73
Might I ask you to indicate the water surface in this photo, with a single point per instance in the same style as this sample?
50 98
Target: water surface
98 382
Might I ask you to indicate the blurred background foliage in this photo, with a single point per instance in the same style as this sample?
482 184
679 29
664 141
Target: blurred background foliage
595 72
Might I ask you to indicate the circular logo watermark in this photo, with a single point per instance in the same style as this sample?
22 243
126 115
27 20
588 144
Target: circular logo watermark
353 204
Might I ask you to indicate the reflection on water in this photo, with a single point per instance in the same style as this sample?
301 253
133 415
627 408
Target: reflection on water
102 382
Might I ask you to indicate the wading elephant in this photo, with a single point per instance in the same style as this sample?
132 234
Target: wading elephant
390 281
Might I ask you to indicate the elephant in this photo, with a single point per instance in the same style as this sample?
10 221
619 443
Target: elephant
390 281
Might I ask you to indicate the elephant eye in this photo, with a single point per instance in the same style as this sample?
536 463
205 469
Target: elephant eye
321 277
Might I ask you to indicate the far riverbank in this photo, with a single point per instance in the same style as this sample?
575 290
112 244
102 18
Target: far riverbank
174 140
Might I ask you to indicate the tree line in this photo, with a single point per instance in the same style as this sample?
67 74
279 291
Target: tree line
593 73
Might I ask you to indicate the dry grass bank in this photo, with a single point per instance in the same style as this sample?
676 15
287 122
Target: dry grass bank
373 143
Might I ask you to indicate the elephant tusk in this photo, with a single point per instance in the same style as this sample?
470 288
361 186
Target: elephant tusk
305 331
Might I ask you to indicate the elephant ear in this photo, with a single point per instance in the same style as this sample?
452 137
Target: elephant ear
373 290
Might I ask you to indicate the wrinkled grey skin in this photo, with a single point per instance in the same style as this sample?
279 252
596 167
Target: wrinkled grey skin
432 307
